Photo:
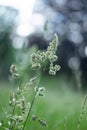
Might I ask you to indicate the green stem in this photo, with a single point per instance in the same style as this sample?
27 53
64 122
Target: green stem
33 100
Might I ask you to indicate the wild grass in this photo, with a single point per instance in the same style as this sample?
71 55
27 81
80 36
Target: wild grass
61 106
18 117
60 109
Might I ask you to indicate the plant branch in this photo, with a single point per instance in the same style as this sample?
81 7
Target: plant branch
33 100
11 127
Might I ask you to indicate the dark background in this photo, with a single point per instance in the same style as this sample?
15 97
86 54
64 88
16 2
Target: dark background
67 18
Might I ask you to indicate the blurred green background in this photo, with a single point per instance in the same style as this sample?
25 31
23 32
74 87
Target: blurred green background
20 30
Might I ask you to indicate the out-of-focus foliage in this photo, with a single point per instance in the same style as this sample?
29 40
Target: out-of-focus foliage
67 18
7 16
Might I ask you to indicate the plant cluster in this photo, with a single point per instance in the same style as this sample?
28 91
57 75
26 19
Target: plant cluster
20 108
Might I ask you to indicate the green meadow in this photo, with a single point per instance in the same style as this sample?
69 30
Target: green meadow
60 107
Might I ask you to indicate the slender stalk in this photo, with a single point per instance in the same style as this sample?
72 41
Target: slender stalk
33 100
29 111
82 112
